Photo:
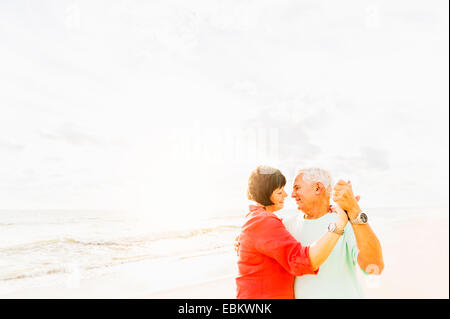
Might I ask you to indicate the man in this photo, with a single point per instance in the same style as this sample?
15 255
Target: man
358 245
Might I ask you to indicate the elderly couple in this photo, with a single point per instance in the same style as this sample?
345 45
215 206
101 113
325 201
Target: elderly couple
279 253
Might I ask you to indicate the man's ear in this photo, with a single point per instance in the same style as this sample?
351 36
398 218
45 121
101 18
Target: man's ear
318 188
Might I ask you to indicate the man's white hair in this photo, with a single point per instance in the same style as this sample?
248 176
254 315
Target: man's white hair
313 175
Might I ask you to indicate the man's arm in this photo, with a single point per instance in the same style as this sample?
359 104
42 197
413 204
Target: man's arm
370 257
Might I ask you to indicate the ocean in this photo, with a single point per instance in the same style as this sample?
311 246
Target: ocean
44 248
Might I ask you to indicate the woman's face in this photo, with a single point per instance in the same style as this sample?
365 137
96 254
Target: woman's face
277 199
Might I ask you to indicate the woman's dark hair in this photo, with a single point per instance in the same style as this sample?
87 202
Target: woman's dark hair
262 182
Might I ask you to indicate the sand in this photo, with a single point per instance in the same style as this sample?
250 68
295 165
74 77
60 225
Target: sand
416 266
416 256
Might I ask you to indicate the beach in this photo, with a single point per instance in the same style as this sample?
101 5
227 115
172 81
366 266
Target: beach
129 131
416 266
415 254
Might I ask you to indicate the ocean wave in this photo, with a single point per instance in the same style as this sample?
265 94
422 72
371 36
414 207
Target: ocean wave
90 253
122 242
24 274
33 273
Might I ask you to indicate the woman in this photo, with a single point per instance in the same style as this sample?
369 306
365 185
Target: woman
269 256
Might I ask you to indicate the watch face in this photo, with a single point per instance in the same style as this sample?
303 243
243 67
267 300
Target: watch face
331 227
363 217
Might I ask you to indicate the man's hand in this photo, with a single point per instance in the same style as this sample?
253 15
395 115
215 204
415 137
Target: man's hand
343 196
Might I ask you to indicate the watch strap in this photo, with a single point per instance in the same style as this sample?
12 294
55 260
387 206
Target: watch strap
358 220
335 230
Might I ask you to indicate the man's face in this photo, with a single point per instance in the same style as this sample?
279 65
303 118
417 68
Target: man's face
304 193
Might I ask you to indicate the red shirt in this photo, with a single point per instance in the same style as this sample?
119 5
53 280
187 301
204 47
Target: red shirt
269 258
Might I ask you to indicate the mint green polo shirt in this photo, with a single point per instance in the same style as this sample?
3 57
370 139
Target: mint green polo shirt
337 277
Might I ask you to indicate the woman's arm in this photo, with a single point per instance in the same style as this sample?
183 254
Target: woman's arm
271 238
321 249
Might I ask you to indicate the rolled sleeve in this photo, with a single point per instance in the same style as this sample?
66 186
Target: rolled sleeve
276 242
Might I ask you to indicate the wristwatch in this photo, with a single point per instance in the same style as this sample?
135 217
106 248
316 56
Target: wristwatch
361 219
333 229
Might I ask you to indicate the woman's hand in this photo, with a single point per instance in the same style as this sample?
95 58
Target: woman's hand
343 196
342 218
236 245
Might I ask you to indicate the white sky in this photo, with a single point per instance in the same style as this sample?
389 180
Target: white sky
139 105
